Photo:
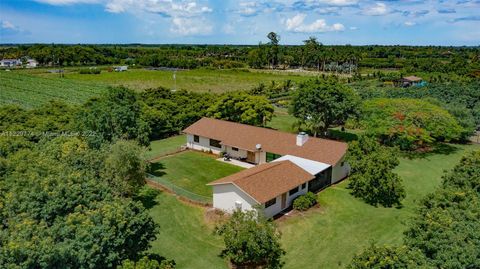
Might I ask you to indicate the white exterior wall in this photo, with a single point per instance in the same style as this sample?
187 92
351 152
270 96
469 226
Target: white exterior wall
260 157
203 144
277 207
236 154
226 195
340 172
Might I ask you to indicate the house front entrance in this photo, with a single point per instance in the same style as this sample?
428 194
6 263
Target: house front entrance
284 200
250 157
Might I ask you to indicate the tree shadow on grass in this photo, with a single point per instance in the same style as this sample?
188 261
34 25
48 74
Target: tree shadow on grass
147 196
342 135
437 149
157 169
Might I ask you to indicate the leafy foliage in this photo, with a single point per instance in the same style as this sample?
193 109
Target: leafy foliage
386 257
115 115
445 227
408 123
125 167
319 104
305 201
243 108
57 211
372 178
147 263
251 240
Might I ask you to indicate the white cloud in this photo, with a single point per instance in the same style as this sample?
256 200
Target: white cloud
378 9
67 2
190 26
164 8
296 24
8 25
409 23
340 2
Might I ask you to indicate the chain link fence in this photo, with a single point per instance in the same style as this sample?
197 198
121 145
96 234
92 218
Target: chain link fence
189 196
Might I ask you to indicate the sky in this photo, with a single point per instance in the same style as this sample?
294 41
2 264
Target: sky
388 22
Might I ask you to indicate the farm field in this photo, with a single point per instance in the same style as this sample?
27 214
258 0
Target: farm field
191 170
321 238
31 91
194 80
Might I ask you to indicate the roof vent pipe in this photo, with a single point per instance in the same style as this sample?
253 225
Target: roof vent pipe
302 137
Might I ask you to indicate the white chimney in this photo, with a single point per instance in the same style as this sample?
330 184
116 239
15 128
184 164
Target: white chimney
302 137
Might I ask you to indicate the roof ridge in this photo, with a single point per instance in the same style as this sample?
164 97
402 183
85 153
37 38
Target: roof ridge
271 164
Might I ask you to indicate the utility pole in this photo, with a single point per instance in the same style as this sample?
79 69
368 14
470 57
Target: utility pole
174 80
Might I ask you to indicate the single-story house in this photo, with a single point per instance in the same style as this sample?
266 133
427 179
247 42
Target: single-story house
10 62
287 165
31 63
411 81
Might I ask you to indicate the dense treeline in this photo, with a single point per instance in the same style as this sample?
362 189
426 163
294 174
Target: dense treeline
444 231
312 54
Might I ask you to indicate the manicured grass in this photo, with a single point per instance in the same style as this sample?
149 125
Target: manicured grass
346 225
193 80
183 235
31 91
321 238
191 170
282 121
166 146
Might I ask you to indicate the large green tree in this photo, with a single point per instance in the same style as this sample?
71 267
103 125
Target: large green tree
372 178
319 104
408 123
243 108
115 115
251 240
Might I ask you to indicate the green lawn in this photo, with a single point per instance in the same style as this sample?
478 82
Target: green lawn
166 146
30 91
330 238
324 238
194 80
282 121
183 236
191 170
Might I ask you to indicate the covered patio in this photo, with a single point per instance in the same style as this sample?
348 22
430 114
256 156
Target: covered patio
237 163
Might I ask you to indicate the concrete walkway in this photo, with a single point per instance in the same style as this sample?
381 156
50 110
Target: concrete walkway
237 163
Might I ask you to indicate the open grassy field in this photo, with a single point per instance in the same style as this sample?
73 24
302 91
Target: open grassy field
191 170
282 121
166 146
193 80
322 238
30 91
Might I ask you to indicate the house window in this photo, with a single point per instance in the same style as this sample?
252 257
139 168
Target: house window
271 202
272 156
215 143
196 139
234 149
293 191
304 185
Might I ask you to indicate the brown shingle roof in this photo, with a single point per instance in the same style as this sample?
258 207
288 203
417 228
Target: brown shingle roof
412 78
247 137
267 181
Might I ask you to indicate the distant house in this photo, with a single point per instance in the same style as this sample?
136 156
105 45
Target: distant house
287 165
410 81
10 62
31 63
121 68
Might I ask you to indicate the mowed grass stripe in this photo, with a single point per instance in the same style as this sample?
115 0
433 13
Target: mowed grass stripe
30 91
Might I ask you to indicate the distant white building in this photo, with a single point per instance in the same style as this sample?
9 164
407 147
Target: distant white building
121 68
10 62
31 63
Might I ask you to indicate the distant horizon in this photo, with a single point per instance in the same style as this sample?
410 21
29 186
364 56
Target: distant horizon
243 22
226 44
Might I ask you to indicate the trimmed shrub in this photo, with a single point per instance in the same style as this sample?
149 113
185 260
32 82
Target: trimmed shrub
93 71
304 202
